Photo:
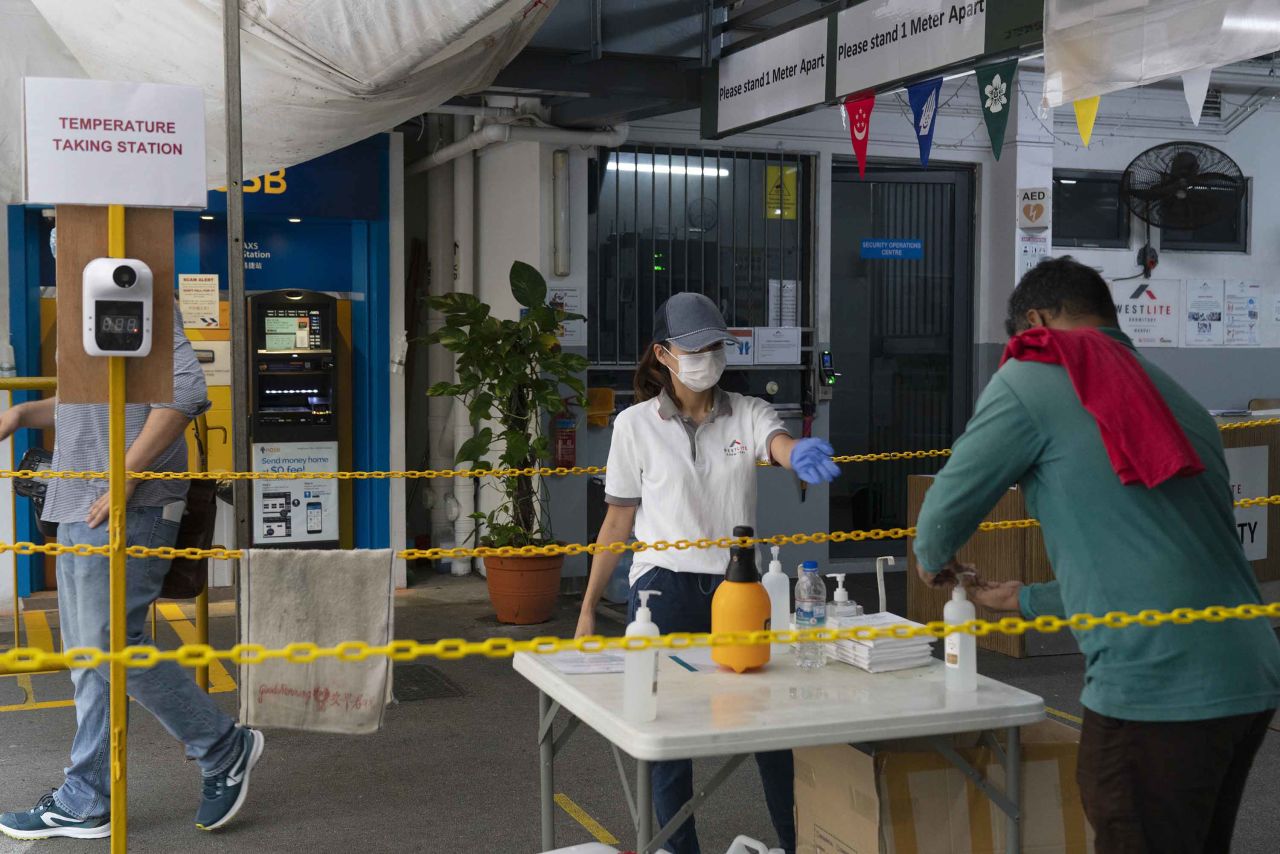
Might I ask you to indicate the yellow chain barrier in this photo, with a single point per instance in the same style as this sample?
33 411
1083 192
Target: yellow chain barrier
565 549
431 474
201 655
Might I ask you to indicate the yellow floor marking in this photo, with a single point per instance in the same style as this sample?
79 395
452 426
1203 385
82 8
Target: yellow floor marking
31 707
39 635
580 815
29 691
1066 716
219 679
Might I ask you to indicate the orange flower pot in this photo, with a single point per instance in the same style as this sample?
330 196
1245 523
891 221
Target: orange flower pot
524 590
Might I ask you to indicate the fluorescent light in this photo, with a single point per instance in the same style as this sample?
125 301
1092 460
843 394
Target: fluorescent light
294 219
664 169
207 217
1066 180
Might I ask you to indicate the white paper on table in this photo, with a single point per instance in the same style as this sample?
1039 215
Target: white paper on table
695 660
574 663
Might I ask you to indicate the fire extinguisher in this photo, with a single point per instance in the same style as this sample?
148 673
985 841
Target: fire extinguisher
564 428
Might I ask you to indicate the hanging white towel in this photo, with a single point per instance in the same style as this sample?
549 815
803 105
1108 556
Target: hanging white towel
324 597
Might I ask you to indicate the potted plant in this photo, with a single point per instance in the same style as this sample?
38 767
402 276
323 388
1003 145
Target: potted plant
512 376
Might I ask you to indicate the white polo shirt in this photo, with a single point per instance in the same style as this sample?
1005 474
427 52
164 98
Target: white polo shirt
689 481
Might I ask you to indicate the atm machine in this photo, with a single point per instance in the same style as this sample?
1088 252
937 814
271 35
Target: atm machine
293 425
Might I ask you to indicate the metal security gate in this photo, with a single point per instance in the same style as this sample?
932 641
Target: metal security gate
902 332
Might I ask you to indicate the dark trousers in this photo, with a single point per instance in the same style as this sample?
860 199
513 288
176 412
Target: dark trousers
685 606
1166 787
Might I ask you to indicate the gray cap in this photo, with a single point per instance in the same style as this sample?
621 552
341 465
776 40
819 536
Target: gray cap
691 321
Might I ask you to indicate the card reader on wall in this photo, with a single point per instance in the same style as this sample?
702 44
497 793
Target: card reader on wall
116 307
827 369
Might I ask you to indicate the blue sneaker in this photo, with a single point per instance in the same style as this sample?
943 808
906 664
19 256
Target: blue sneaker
46 821
224 793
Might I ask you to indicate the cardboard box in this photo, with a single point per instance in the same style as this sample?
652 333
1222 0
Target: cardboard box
911 800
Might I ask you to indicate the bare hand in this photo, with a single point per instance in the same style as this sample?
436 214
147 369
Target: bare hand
10 421
950 575
586 624
997 595
101 509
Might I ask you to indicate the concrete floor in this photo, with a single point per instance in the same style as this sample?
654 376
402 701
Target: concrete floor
451 775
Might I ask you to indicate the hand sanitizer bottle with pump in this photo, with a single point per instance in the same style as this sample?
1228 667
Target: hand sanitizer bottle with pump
778 586
640 666
961 648
842 607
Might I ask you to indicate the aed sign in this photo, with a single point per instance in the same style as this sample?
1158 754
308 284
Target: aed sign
783 75
1248 469
1035 208
102 142
885 40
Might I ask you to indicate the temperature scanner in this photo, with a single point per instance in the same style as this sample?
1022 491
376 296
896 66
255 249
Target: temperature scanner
116 305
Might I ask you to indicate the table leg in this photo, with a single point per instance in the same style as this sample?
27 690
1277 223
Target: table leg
1013 789
644 804
547 759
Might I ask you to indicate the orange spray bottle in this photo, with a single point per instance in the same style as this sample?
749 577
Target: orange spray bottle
741 604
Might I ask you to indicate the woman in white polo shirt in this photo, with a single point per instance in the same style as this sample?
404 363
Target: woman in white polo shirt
682 465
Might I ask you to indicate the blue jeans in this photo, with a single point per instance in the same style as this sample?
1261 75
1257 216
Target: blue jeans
167 691
685 606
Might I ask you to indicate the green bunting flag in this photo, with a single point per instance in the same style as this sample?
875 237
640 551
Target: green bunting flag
996 92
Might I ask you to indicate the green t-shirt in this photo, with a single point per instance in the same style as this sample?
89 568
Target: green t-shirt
1115 547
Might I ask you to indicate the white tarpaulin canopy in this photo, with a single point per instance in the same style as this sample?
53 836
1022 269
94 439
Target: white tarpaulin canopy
1092 47
317 74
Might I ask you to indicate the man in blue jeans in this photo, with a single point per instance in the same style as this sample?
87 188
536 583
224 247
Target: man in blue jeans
226 753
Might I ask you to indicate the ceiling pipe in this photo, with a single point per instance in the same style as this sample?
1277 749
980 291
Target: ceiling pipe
498 133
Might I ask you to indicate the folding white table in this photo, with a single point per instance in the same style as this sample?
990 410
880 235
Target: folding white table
778 708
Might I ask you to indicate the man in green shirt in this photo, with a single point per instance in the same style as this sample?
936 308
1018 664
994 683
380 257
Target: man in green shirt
1173 715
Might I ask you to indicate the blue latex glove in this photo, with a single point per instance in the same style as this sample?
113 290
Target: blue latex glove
811 461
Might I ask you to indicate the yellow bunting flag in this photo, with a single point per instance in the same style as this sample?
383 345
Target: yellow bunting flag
1086 112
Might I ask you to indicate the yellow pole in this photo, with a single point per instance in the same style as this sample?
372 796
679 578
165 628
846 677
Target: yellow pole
202 634
119 685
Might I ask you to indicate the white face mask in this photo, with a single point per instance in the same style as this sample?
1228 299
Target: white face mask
700 371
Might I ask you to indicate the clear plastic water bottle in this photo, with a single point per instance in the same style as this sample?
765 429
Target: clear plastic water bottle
811 613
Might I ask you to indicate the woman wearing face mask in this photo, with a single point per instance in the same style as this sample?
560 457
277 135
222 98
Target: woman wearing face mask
682 465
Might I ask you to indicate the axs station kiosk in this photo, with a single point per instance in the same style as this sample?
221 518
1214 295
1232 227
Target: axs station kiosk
293 418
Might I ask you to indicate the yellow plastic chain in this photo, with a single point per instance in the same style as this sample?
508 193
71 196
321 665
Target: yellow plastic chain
201 655
431 474
567 549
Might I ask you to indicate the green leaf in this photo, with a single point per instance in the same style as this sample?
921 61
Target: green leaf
451 337
476 448
527 285
444 390
481 408
517 449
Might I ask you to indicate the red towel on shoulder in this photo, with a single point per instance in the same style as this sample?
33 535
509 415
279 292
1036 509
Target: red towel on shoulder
1145 442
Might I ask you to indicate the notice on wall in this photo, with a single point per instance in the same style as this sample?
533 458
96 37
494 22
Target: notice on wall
1148 311
784 302
780 201
1032 249
744 351
1202 310
568 298
777 345
780 76
295 511
886 40
101 142
1242 314
198 300
1249 469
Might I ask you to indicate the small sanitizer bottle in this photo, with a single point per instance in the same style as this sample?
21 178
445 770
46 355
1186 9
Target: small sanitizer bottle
778 586
640 667
842 607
